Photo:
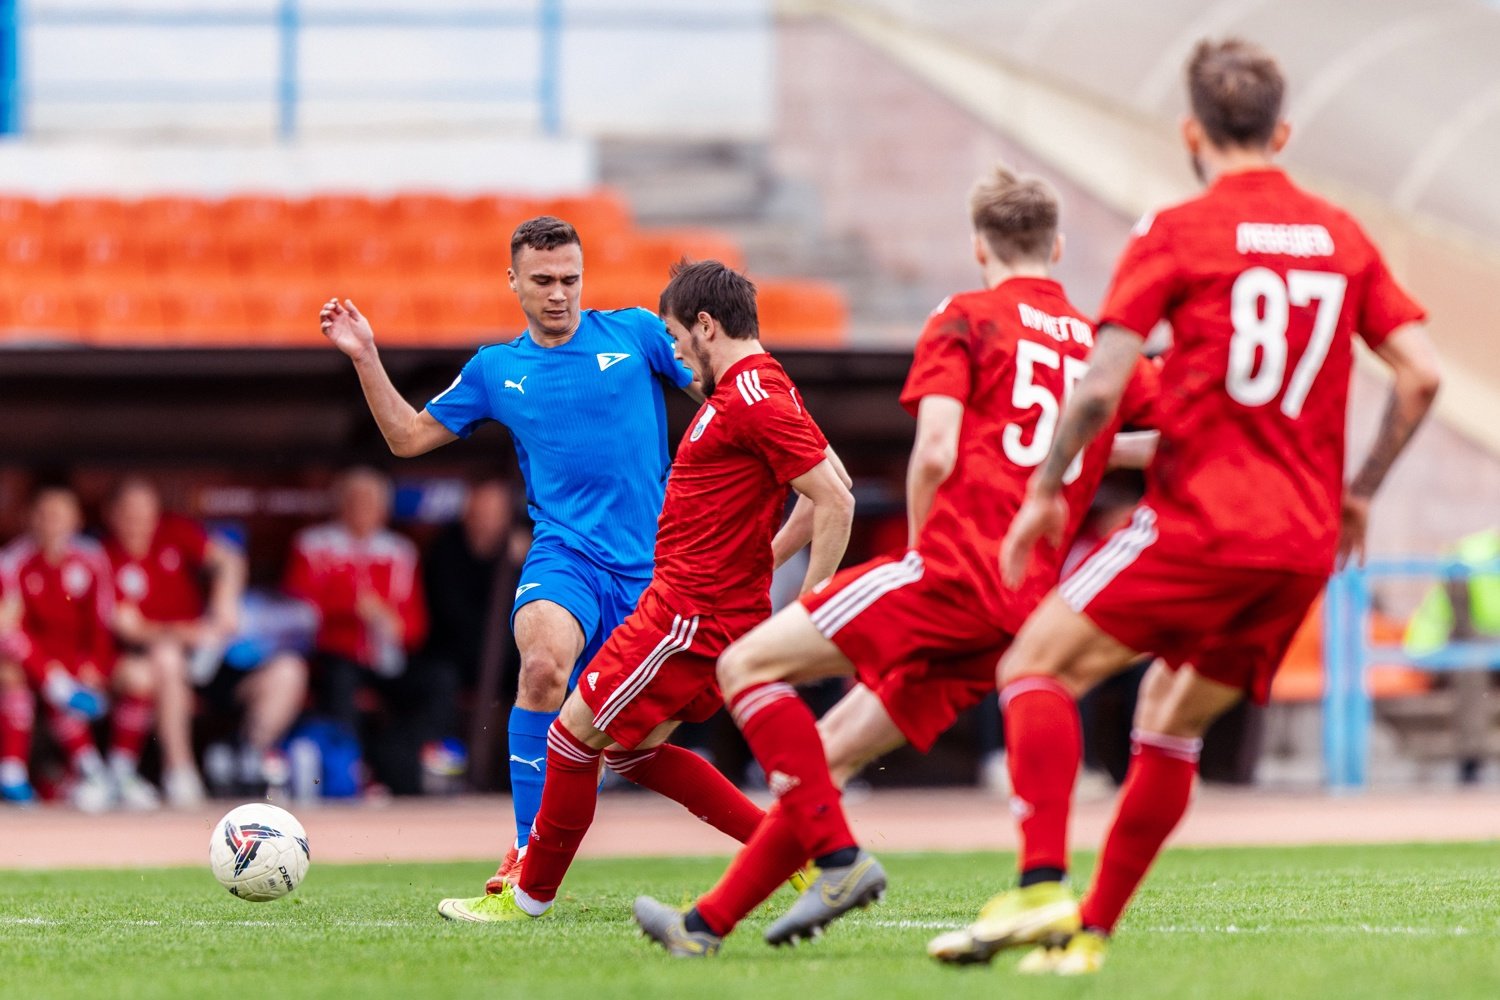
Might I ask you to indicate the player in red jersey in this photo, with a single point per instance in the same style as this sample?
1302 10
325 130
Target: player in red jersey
160 562
923 631
58 606
1265 287
717 544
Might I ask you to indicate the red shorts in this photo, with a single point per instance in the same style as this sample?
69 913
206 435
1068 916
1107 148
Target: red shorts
1233 624
658 666
916 639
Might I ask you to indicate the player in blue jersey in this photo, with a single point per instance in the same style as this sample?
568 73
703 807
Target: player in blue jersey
581 392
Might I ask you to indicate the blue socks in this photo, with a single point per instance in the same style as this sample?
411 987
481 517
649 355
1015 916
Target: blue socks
528 765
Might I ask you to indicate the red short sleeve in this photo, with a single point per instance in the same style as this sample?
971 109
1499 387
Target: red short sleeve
943 362
780 432
1386 306
1145 282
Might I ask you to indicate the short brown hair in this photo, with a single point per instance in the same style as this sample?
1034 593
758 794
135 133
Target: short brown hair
1016 215
1236 90
710 287
545 232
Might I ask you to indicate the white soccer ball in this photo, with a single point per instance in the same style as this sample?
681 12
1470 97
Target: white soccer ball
258 852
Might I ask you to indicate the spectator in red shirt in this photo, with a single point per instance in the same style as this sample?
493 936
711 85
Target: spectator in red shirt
161 563
364 581
58 606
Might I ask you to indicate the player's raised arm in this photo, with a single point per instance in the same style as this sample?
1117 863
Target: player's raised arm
1413 362
407 431
933 457
1094 402
832 515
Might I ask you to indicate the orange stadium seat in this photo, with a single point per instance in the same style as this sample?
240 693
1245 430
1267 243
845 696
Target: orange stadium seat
658 250
346 213
97 214
187 250
97 252
21 212
284 315
498 215
802 313
601 214
121 315
27 251
207 313
437 251
50 310
417 209
248 210
172 211
606 289
466 313
271 252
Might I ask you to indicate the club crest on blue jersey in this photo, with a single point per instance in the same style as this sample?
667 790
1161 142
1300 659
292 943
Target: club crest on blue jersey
702 424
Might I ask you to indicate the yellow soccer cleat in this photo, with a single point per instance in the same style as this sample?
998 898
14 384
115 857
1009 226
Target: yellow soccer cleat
493 907
1045 913
1083 955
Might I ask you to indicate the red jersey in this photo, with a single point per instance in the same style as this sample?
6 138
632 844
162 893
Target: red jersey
165 582
727 491
1011 355
330 569
66 607
1263 285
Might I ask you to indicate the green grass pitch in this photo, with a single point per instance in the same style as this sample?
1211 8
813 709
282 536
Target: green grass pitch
1326 922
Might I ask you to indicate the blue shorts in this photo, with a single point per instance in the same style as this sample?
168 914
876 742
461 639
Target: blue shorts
598 599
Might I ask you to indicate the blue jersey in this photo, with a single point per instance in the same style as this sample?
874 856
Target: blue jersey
589 423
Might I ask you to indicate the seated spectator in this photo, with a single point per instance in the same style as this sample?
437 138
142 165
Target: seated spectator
263 676
466 569
160 563
363 580
59 597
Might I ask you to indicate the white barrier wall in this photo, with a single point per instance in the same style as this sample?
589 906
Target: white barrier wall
622 67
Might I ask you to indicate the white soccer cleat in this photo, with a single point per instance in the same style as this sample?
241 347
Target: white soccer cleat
135 793
182 788
93 794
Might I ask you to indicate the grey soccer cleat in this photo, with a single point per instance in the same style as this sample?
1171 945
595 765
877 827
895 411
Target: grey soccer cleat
663 924
832 894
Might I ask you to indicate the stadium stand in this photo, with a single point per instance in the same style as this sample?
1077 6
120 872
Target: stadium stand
251 269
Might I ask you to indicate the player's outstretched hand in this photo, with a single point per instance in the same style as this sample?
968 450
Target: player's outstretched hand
1040 517
1356 518
345 328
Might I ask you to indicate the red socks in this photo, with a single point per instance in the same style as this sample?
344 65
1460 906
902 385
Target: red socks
131 724
684 777
1044 744
768 860
783 735
568 800
17 717
72 733
1153 801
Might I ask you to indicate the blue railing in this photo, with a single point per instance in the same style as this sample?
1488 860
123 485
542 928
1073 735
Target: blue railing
1348 711
548 19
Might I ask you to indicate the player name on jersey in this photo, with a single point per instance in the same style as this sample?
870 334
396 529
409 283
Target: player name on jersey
1060 328
1289 240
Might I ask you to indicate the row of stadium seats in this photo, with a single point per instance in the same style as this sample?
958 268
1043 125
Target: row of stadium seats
405 312
252 270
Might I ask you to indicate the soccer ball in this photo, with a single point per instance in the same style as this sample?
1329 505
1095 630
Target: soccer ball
258 852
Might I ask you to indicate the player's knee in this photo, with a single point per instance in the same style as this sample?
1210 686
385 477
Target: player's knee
735 668
136 677
169 662
543 681
578 719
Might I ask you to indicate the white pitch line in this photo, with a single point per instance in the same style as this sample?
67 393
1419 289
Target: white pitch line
125 922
